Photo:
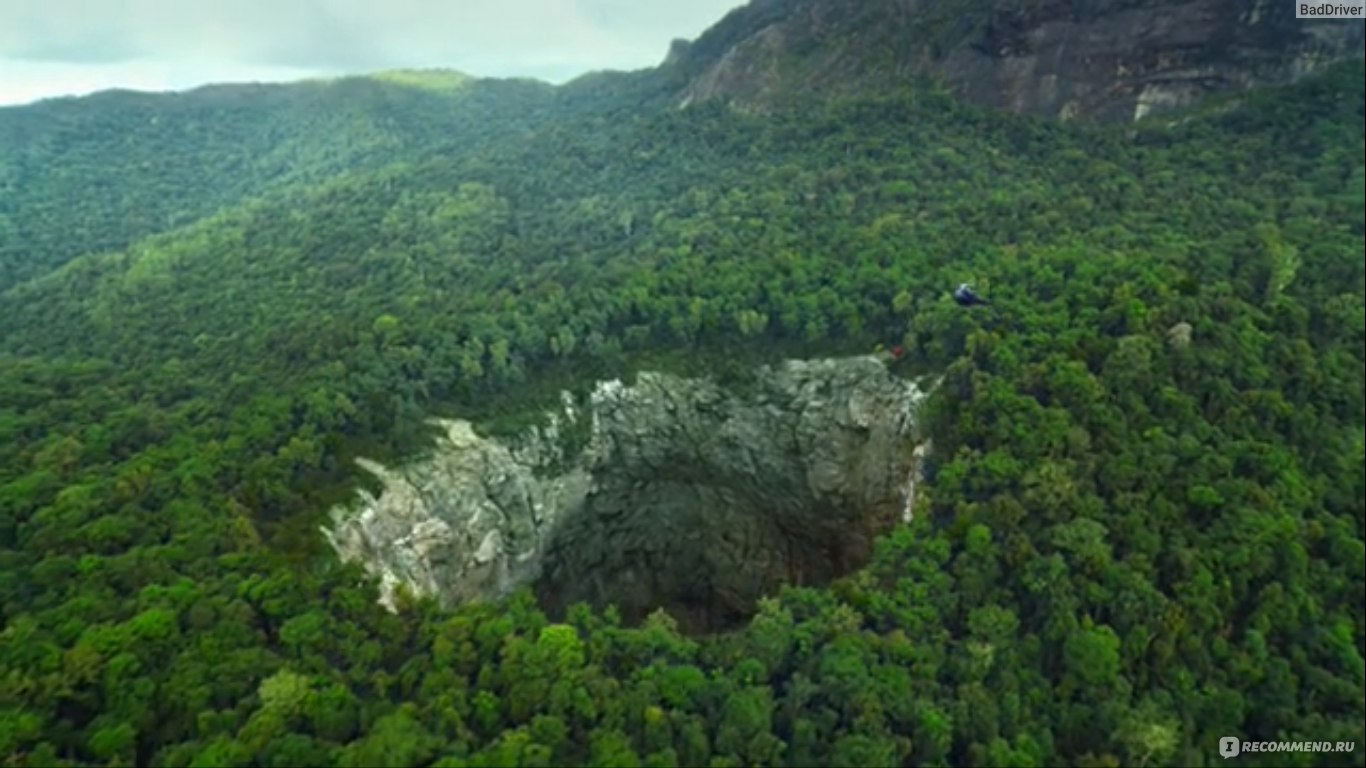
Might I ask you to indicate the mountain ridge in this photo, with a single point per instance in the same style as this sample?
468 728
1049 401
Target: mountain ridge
1018 57
1113 60
217 145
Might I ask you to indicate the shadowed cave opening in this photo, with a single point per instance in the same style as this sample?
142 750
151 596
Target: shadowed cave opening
668 493
702 547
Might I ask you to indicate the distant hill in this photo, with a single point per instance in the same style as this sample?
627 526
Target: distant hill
96 173
80 175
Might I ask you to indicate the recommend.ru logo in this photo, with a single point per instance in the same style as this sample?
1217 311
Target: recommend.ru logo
1232 746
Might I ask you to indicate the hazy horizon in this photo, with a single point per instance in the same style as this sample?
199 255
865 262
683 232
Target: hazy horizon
54 48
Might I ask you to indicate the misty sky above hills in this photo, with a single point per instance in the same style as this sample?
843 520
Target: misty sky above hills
66 47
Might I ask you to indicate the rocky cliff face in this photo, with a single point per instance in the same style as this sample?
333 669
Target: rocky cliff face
1116 60
670 492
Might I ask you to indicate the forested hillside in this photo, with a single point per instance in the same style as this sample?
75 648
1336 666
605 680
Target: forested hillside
96 174
1145 530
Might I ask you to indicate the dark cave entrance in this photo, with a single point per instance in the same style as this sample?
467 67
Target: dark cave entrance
703 553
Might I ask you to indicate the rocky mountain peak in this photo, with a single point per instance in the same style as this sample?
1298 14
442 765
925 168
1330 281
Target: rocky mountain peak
1111 60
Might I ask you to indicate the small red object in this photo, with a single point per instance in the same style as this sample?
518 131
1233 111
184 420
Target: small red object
897 352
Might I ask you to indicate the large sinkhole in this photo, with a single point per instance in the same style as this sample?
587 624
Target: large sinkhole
702 549
671 493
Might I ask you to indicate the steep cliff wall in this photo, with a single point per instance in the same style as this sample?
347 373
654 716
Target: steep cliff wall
1115 60
669 492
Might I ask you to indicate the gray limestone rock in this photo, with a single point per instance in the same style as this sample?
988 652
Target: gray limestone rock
685 495
1110 60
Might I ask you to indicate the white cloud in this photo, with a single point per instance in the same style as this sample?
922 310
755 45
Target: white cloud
50 47
26 81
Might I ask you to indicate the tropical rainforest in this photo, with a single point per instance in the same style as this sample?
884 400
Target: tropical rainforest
1143 531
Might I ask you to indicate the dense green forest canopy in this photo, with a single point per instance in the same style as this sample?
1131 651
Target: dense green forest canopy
1145 531
99 173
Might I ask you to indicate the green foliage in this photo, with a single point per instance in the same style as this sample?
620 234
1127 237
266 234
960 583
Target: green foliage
97 174
1129 547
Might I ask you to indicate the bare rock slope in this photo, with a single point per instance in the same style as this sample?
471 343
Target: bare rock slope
1112 60
670 493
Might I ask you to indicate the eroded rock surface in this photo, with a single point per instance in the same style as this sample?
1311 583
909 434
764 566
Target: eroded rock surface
1113 60
670 492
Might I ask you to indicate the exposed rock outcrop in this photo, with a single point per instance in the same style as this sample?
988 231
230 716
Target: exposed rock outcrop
670 492
1106 59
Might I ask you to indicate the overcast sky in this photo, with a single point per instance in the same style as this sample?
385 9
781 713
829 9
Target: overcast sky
66 47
